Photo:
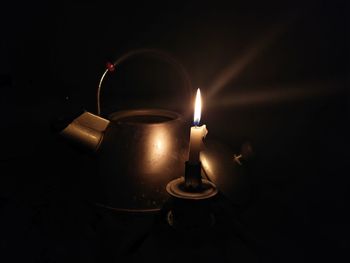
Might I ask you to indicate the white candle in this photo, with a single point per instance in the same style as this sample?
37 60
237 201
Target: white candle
197 132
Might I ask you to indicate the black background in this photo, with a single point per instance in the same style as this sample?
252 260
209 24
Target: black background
288 98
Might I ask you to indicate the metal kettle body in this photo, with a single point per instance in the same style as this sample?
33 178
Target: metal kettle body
142 151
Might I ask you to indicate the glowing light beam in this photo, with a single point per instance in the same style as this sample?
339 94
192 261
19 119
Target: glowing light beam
232 71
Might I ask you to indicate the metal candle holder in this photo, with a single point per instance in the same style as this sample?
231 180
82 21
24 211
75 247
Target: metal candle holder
192 186
190 207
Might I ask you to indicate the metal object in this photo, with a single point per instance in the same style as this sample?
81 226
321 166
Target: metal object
142 151
190 216
177 189
152 52
219 167
87 129
192 186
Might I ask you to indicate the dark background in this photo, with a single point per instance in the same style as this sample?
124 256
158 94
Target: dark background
285 93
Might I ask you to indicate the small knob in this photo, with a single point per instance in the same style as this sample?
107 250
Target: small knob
246 153
110 66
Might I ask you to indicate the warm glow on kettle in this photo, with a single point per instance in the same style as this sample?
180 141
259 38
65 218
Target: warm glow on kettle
197 108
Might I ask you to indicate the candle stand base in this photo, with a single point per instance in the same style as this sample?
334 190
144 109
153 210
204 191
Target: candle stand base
190 209
177 188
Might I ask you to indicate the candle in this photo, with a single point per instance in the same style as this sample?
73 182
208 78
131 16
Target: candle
197 132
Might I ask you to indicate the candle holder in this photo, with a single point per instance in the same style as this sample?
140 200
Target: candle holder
192 186
190 205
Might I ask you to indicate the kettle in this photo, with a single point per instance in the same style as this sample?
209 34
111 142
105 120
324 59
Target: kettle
140 151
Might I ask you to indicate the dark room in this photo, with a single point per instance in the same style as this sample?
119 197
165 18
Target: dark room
174 131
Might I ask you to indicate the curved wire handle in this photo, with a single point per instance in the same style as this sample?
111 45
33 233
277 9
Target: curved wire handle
111 67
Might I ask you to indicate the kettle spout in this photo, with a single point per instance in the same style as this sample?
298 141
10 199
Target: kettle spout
87 130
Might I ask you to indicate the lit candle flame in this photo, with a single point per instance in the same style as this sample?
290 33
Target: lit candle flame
197 108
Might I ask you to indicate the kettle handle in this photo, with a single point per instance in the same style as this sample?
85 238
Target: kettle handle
110 67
